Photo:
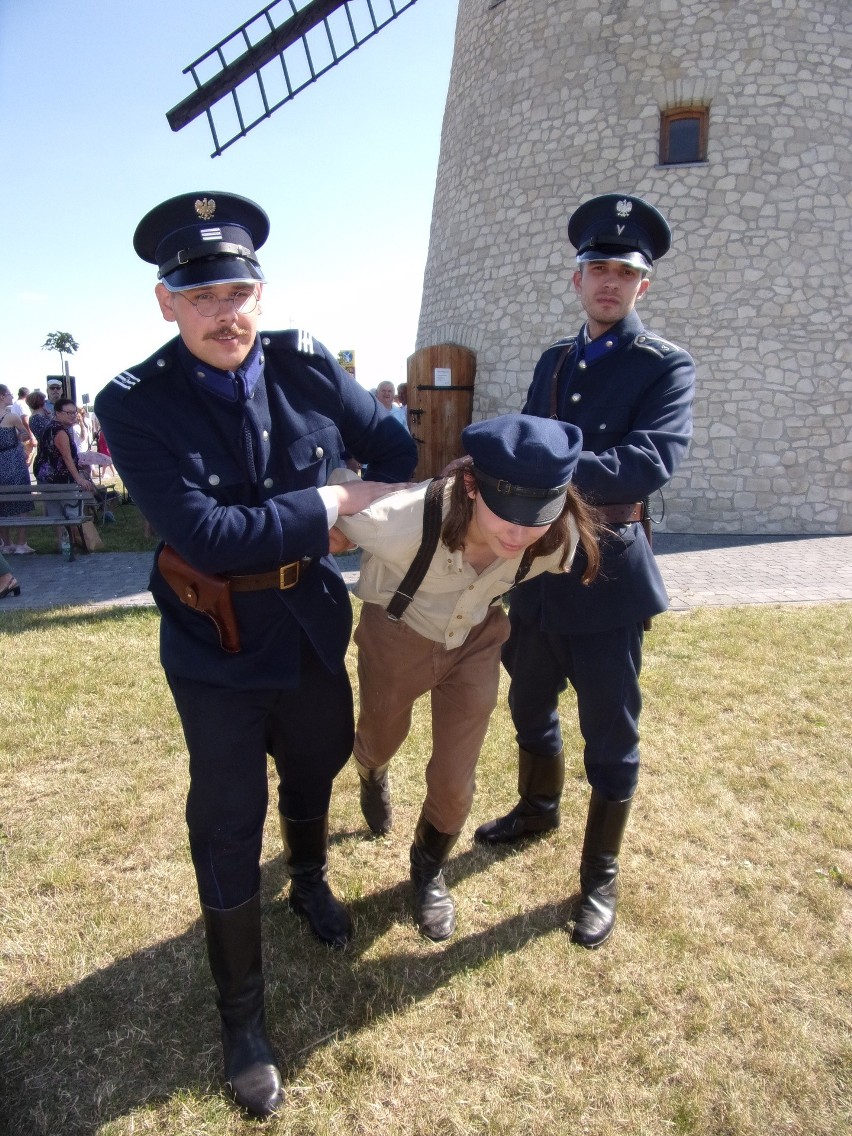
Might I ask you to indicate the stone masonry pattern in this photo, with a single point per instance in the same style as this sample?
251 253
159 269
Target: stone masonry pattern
554 101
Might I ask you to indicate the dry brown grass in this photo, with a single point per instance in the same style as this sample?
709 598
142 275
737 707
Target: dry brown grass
721 1007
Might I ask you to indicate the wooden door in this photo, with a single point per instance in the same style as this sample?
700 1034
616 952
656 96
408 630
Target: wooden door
440 404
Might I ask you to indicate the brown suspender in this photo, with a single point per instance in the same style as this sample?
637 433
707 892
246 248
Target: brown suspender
413 578
554 382
432 520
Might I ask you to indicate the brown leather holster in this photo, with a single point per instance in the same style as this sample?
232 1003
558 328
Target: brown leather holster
203 592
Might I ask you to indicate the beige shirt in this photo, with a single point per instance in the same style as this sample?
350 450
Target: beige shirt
453 597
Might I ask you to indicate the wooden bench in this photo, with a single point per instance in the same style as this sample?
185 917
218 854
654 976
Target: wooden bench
77 506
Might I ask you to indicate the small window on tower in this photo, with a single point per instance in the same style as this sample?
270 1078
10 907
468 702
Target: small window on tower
683 135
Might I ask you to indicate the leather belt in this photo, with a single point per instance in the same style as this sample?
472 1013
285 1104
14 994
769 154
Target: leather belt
621 514
284 577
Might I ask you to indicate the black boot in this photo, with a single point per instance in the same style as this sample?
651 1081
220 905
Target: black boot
594 920
540 783
306 856
375 799
233 947
434 909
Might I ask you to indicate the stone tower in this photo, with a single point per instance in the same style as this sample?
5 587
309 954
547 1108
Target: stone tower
554 101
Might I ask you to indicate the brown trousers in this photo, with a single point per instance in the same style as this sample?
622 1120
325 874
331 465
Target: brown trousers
396 666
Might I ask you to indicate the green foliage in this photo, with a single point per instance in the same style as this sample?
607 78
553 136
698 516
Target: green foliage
61 341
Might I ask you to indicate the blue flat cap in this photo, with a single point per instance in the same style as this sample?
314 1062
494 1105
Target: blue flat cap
616 226
523 465
203 238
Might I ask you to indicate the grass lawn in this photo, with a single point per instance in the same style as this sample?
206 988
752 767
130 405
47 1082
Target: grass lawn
722 1006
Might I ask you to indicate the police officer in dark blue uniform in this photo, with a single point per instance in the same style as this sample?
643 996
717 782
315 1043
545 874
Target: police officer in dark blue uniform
630 392
256 618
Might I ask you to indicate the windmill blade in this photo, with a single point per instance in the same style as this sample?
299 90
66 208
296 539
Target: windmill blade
269 59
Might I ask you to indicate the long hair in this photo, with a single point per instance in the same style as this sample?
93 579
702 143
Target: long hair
460 513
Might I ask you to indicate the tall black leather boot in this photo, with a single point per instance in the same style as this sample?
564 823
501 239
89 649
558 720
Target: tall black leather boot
434 909
375 799
306 856
594 920
233 948
540 784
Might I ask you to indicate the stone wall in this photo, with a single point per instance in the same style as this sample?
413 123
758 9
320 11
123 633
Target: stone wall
554 101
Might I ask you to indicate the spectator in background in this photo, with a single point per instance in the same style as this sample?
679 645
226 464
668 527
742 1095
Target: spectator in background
385 395
54 393
400 407
82 430
13 471
39 416
89 439
56 458
22 410
9 586
19 406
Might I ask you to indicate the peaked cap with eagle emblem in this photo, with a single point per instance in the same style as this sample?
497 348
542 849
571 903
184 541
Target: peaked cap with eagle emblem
203 238
616 226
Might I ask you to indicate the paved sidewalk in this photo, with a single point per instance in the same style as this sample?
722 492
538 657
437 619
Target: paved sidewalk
699 571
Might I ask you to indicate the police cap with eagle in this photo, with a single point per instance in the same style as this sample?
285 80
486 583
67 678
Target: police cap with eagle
616 226
203 238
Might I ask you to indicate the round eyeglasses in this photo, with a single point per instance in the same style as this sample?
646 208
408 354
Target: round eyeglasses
208 305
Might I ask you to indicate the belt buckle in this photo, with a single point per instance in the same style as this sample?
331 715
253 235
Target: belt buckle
288 575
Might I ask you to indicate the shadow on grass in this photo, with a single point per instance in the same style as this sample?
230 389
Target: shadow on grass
144 1029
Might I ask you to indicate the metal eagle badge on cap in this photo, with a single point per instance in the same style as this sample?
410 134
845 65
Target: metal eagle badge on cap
205 207
624 208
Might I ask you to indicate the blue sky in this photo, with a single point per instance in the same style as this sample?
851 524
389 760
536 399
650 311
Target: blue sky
346 173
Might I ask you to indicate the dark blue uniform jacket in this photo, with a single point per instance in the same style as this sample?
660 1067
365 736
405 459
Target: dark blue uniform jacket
225 468
630 393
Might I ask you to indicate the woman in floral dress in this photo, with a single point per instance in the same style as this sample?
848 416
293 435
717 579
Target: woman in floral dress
14 470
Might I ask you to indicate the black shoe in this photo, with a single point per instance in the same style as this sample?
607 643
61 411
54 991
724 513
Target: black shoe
376 805
594 920
250 1070
521 821
233 947
306 855
434 908
540 783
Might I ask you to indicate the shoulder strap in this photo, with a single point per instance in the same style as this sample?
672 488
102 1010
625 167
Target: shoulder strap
523 569
554 381
432 518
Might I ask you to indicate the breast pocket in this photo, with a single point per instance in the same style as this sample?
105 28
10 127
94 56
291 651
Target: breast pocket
314 454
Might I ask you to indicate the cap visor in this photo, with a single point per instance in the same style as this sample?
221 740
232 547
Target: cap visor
218 270
634 259
529 512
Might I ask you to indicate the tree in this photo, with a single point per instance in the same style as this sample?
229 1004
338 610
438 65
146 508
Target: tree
63 342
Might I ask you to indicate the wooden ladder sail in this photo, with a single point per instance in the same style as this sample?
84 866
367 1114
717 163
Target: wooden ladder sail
270 58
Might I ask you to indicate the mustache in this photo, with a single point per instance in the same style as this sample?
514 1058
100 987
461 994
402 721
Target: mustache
234 330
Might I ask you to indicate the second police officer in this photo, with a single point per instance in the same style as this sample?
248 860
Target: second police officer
630 392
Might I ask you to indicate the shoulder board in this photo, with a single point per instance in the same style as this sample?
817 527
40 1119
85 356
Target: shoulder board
157 364
126 381
294 339
660 347
564 342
